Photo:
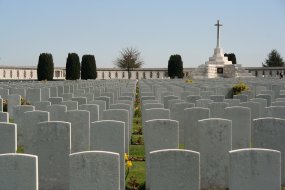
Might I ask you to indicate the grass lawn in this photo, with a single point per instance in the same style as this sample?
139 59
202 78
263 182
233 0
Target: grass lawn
137 151
136 177
138 172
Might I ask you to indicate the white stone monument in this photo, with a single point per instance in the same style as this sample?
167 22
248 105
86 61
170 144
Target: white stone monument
218 65
215 66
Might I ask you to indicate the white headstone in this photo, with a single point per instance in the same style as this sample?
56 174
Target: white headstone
33 95
93 109
29 127
174 169
159 134
203 103
255 169
100 134
217 109
4 117
191 118
52 146
269 133
105 99
254 108
56 112
214 141
275 111
80 100
80 129
42 106
120 115
8 138
13 100
193 98
70 105
241 126
177 113
94 170
232 102
102 107
55 100
18 172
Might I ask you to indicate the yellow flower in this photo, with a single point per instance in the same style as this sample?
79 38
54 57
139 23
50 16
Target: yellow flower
129 164
126 157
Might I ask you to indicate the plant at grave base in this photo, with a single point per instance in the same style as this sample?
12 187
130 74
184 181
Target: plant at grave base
24 102
20 149
137 112
5 105
189 81
129 164
139 140
238 88
11 120
132 142
134 185
139 132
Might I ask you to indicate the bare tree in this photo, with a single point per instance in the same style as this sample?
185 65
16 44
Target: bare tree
129 59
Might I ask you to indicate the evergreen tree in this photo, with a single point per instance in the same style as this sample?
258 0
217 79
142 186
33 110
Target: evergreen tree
274 60
45 67
175 67
231 57
88 67
72 67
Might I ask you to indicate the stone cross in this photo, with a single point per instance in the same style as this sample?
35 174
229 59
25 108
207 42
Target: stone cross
218 33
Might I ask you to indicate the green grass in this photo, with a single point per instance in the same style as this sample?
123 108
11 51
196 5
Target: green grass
137 151
137 171
136 175
137 139
137 123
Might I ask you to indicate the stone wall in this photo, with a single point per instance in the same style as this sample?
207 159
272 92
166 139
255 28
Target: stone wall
30 73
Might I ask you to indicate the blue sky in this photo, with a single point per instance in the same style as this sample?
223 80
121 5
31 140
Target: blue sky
157 28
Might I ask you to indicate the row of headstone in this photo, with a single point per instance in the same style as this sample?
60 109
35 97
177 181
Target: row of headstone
168 169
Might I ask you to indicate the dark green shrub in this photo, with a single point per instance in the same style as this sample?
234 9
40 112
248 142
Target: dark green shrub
175 67
231 57
72 67
88 67
45 67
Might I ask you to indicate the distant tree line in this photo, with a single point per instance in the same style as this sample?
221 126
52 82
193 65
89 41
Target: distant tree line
87 69
129 59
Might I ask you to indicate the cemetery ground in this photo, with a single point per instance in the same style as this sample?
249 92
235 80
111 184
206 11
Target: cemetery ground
135 175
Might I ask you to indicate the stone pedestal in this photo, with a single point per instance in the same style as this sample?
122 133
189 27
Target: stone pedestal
214 68
215 65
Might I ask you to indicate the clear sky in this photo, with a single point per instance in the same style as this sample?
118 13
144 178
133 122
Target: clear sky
157 28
